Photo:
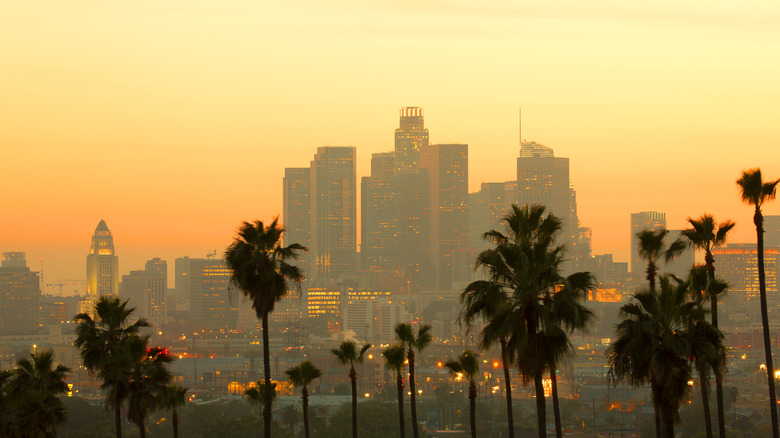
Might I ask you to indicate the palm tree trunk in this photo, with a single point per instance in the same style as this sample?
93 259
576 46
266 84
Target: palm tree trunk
669 426
508 385
658 430
305 397
758 219
175 423
399 383
142 428
413 392
118 418
541 412
705 399
267 371
710 263
652 269
473 409
556 408
353 378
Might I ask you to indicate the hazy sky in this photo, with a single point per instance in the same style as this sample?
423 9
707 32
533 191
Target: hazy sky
174 119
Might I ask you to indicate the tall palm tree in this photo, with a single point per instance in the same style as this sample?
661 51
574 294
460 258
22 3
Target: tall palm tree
485 299
261 271
756 192
405 334
174 396
348 354
302 375
394 360
526 263
466 365
33 390
652 247
100 340
148 376
653 347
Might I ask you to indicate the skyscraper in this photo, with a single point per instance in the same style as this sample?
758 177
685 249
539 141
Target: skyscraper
485 211
146 291
646 220
333 214
296 213
211 306
410 137
20 294
446 166
102 264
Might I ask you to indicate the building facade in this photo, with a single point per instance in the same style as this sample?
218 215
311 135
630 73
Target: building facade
20 294
102 264
410 137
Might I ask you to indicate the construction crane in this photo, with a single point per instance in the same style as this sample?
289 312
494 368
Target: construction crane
65 283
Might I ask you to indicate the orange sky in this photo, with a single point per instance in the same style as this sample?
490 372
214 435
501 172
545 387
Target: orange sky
174 119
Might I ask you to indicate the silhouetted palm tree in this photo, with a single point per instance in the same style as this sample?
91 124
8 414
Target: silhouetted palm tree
466 365
260 270
348 354
756 192
405 334
652 247
33 391
705 235
148 376
485 299
256 394
100 341
302 375
394 360
173 397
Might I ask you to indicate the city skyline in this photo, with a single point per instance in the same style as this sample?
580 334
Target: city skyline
154 131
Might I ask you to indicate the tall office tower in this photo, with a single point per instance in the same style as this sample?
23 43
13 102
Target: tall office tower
487 208
737 265
211 304
410 138
414 232
102 264
20 293
379 247
333 214
543 178
146 291
646 220
447 168
181 283
296 213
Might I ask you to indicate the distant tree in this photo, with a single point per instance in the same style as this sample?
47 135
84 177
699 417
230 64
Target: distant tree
466 365
302 375
148 377
173 397
394 360
256 394
261 271
756 192
406 336
348 354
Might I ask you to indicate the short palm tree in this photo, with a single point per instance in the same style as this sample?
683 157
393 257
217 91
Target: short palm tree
652 247
148 376
261 271
33 391
348 354
302 375
756 192
394 360
653 347
466 365
405 334
256 394
100 340
173 397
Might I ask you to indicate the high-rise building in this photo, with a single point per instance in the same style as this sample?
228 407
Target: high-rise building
146 291
737 265
333 214
486 210
211 304
410 137
181 284
296 213
102 264
446 166
646 220
20 293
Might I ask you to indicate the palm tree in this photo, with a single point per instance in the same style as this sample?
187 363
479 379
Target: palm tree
485 299
347 354
652 247
33 391
302 375
394 360
705 235
148 376
260 270
405 335
653 347
5 403
756 192
174 396
543 304
256 394
100 341
466 365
